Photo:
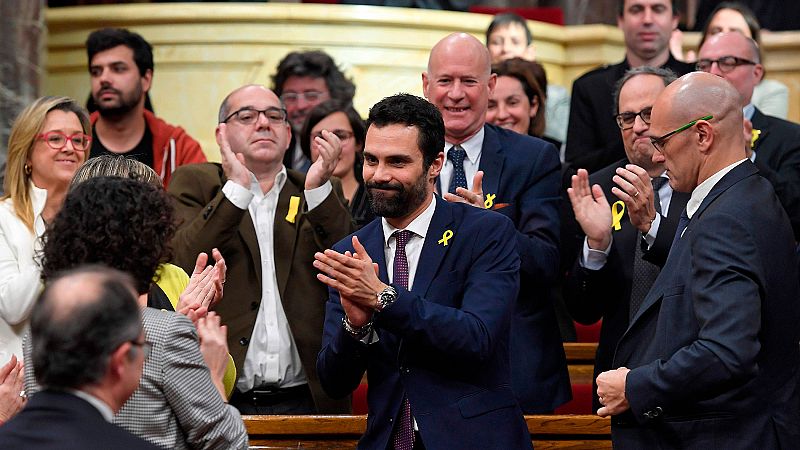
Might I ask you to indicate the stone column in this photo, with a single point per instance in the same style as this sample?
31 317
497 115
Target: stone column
23 30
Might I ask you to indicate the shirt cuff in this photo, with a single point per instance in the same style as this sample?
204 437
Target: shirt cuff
650 237
237 194
594 259
315 197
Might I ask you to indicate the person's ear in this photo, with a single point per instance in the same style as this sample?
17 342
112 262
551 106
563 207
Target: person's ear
436 166
147 80
705 135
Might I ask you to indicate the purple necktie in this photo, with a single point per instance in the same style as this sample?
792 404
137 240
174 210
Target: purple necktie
403 438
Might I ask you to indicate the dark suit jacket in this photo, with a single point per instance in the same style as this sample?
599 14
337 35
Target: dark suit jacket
444 344
592 295
522 172
211 220
778 159
59 420
593 137
714 347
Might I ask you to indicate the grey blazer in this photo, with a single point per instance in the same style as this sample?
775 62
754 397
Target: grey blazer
176 405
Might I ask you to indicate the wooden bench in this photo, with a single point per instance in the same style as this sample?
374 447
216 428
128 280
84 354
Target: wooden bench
343 432
580 361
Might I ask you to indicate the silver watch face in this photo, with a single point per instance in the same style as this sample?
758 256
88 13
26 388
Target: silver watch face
387 296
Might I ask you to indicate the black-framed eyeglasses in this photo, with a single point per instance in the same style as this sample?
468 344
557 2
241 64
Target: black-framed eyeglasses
309 96
725 63
625 120
343 135
249 116
58 140
146 347
659 142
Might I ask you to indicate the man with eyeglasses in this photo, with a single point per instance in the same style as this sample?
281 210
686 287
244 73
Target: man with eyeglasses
89 355
303 81
773 144
592 139
624 224
270 220
121 73
710 360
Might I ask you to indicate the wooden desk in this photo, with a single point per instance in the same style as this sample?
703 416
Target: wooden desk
343 432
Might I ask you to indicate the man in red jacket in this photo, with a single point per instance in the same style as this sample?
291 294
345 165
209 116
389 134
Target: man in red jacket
121 125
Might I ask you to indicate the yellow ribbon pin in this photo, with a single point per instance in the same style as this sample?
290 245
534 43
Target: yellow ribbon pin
617 213
754 138
294 205
446 237
489 200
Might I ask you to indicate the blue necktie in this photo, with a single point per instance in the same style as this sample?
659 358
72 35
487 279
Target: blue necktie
403 438
456 154
682 224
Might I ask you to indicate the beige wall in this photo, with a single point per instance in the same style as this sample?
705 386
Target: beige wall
203 51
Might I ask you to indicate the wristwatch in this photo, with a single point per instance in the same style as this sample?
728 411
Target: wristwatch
385 298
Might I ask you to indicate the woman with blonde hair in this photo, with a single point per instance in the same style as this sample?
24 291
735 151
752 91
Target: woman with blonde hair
49 140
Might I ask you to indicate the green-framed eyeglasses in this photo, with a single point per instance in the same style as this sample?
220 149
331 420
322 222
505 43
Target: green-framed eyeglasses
658 142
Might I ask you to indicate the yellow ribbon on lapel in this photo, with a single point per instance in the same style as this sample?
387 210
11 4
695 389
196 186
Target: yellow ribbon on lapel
754 138
446 237
617 213
294 205
489 200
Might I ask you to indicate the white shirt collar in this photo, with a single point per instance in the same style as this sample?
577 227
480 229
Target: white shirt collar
419 226
702 190
748 111
472 146
100 405
277 185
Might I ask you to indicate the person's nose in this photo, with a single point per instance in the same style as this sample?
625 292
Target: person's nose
640 126
456 91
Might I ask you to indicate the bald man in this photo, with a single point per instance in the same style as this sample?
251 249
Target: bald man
517 176
711 358
774 145
269 221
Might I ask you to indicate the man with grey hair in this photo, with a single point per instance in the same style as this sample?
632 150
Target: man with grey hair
623 241
89 353
773 144
271 220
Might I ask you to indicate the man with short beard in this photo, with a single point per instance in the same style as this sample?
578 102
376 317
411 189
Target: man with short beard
121 125
422 299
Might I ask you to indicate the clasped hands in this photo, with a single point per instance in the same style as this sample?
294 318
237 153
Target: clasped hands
328 145
355 276
205 288
593 212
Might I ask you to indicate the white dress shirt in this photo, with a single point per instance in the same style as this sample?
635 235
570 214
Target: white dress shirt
419 229
473 148
272 359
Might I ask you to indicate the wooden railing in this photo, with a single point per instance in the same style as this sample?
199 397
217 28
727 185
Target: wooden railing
343 432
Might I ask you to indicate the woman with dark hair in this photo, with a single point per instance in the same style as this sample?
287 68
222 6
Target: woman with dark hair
49 140
344 121
518 100
127 224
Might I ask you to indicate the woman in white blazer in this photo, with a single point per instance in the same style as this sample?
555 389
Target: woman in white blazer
49 140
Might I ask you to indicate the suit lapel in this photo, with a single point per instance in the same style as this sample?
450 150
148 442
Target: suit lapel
247 231
284 232
738 173
432 251
492 160
374 243
760 123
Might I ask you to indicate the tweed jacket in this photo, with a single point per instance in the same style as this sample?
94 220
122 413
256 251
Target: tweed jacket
176 405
